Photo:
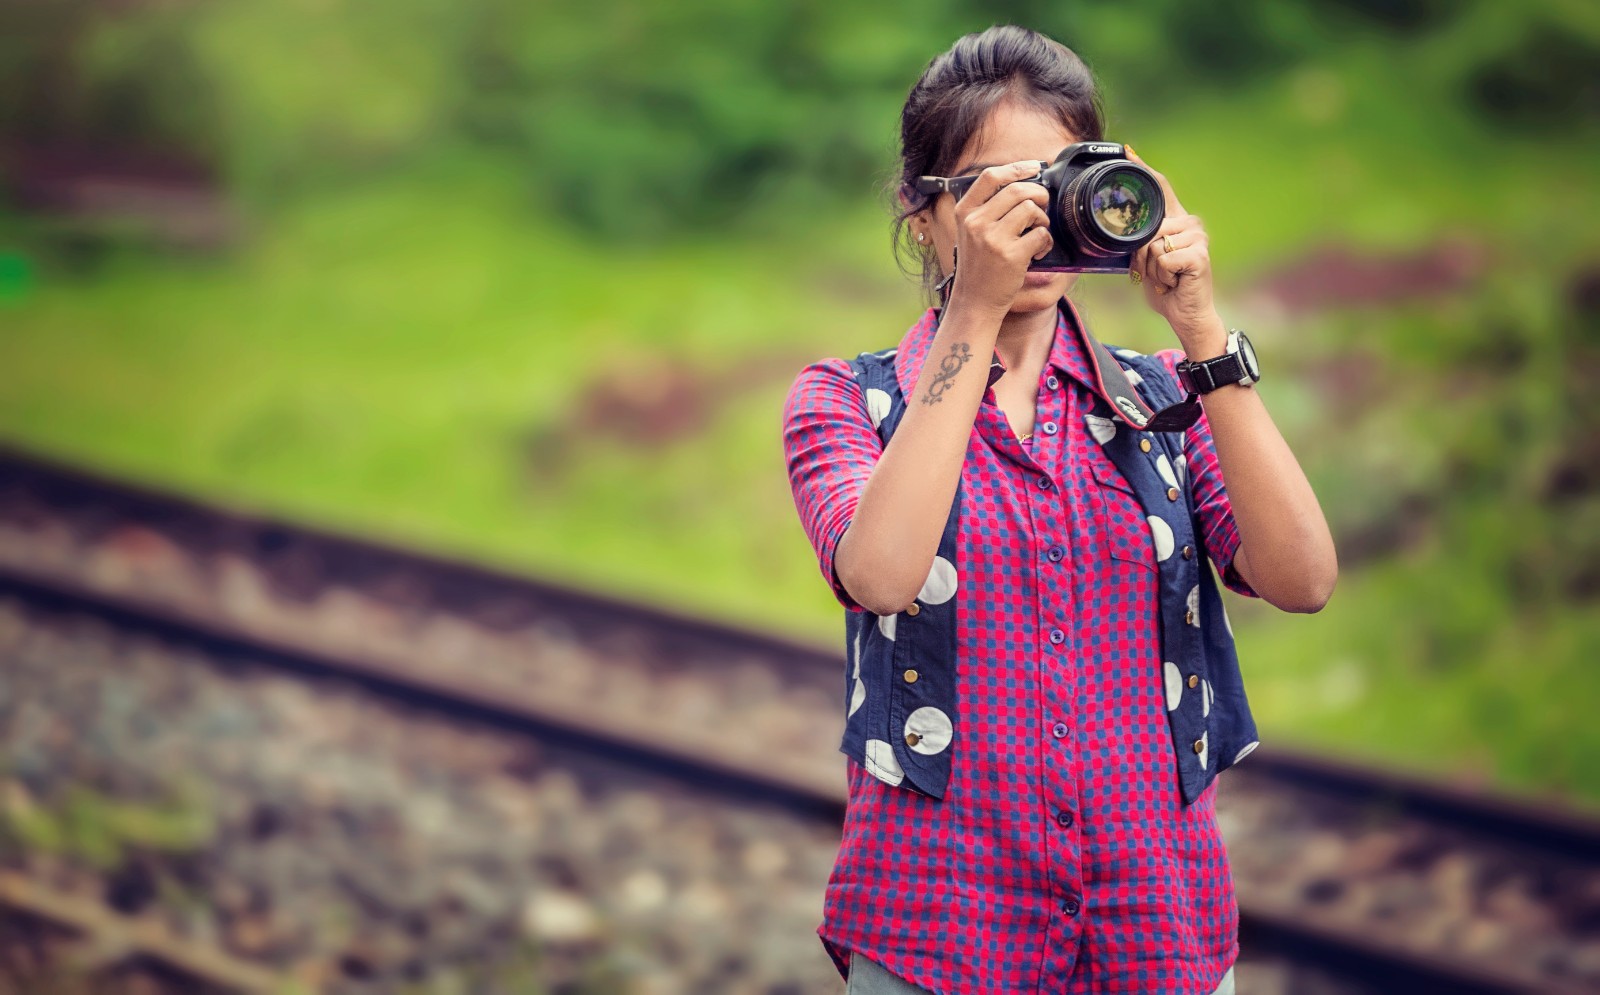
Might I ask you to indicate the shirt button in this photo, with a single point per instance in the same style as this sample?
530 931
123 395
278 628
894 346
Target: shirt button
1194 680
1144 445
1052 382
1070 906
1057 636
1058 730
1064 818
913 608
1055 554
1172 494
1049 428
911 677
1045 482
1188 552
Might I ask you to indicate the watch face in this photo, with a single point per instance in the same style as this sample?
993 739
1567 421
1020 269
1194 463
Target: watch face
1247 352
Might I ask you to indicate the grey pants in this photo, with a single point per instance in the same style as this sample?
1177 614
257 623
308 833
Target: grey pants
868 977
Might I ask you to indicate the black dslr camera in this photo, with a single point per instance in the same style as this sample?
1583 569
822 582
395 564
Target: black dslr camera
1103 207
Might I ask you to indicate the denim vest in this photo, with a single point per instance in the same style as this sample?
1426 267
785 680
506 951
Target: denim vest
904 733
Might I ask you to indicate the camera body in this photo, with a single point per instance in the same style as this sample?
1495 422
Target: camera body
1103 208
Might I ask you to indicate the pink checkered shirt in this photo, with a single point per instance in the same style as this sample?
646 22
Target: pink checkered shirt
1062 859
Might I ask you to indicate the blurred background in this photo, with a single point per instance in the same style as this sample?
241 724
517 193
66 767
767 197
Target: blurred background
527 284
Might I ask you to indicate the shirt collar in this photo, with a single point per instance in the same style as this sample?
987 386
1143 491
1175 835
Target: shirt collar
1069 352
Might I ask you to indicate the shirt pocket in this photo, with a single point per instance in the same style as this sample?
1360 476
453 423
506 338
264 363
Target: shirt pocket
1121 523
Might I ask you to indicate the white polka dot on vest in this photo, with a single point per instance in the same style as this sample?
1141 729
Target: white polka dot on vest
933 728
1181 465
941 583
1205 698
1205 746
1174 684
1245 752
878 402
1161 534
881 763
1103 429
1164 467
857 698
1194 605
886 625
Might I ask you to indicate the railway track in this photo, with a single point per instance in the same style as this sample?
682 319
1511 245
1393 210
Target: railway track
243 585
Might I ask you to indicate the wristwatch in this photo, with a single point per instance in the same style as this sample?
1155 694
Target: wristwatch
1237 365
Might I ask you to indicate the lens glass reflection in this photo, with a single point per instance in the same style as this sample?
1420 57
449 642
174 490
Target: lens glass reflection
1122 203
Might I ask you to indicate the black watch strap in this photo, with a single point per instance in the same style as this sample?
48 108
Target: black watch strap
1206 376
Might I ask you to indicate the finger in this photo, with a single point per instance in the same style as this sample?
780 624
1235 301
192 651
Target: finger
1152 274
1138 263
1040 240
993 179
1028 214
1173 207
1190 261
1172 228
1007 198
1169 242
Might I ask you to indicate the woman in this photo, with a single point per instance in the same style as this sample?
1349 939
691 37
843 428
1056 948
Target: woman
1035 838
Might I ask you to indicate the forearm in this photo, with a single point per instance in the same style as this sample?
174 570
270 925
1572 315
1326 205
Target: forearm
884 557
1286 552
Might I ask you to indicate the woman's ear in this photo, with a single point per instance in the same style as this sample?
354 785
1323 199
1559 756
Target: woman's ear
920 222
923 217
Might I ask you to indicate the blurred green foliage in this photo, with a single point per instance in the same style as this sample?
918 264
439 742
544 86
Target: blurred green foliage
636 118
484 241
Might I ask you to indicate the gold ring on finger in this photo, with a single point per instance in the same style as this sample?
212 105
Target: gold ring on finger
1166 243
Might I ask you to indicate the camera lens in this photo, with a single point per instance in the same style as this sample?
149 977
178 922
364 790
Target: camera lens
1113 207
1121 203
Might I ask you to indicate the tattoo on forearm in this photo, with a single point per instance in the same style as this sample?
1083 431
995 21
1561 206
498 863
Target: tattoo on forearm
949 366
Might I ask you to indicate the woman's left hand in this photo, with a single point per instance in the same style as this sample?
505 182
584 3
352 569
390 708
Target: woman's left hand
1177 280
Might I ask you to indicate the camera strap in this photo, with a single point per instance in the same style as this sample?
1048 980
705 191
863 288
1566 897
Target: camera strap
1113 385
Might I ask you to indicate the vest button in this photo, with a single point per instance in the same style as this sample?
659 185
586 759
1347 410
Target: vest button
1144 445
912 739
1199 745
1188 552
1188 618
913 608
1194 680
1172 494
911 677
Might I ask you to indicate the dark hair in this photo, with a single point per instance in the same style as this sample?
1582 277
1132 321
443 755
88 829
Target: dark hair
954 97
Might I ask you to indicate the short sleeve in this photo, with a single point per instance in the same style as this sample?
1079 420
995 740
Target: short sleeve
830 446
1204 478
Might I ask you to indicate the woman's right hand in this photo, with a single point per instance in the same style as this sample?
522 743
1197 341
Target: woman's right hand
1002 225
